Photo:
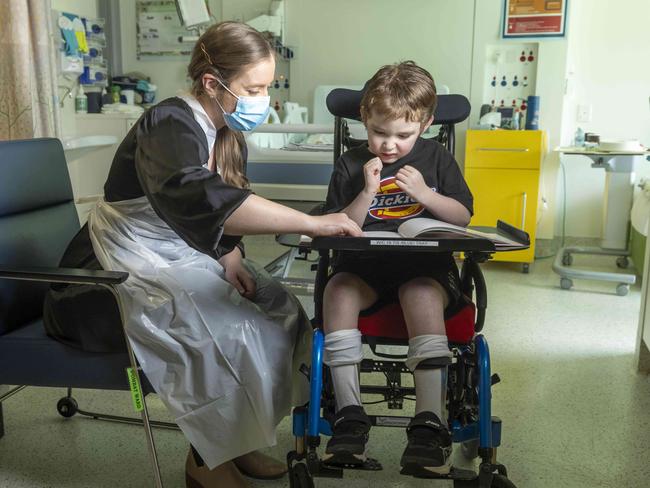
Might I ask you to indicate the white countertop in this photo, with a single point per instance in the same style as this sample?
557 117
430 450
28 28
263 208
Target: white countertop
599 152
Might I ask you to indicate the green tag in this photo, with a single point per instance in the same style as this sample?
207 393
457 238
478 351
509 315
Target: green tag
136 394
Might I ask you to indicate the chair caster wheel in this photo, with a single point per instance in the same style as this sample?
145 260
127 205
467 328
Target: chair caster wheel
622 262
622 289
566 283
525 268
567 259
500 481
67 407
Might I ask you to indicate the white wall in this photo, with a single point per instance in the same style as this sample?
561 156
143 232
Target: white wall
609 69
339 42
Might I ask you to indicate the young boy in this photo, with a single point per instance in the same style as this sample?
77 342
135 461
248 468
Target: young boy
397 176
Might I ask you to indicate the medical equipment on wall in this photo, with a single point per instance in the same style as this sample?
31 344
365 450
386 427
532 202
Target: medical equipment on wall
510 79
72 43
193 13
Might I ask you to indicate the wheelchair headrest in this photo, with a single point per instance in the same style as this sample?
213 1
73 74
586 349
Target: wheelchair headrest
451 109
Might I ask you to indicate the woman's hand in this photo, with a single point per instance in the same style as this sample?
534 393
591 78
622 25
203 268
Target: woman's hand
372 175
412 182
237 275
336 224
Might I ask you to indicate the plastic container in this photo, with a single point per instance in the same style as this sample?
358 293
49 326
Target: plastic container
532 113
81 101
115 91
579 139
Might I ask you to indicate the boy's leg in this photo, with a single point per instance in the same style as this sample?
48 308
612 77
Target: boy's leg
344 297
423 302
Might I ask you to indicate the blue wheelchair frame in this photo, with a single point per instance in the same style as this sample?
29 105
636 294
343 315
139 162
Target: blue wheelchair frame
470 373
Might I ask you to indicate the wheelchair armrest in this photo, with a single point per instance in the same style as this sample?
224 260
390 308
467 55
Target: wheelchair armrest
65 275
472 279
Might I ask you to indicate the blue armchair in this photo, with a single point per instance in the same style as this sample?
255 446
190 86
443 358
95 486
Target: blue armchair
37 220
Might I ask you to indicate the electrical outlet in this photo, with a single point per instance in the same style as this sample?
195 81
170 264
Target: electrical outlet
584 113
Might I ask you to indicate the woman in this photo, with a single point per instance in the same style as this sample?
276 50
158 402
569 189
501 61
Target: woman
217 338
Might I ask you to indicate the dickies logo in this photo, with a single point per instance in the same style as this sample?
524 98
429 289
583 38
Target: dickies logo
391 202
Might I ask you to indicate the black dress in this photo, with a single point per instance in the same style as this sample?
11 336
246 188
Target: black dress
162 158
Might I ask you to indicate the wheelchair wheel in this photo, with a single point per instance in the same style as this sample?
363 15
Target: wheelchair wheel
300 477
469 449
67 407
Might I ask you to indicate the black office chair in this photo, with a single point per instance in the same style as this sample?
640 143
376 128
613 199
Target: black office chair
37 221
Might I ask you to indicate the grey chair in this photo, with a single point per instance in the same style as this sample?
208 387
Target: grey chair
37 220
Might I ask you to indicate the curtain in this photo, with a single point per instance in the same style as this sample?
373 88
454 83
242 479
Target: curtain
27 71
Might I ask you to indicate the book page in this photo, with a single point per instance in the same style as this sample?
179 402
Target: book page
384 234
416 227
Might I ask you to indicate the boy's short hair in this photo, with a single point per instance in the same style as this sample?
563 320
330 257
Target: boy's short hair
400 90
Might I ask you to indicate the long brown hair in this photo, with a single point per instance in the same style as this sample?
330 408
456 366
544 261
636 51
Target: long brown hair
223 51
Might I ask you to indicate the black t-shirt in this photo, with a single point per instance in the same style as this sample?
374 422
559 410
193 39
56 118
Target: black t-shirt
392 206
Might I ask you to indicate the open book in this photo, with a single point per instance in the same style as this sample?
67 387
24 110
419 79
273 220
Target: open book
504 236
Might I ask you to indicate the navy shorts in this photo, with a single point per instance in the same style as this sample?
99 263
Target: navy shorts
386 272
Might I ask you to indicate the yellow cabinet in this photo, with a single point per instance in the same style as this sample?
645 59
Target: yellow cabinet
502 170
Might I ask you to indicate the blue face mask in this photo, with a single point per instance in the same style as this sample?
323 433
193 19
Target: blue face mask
249 112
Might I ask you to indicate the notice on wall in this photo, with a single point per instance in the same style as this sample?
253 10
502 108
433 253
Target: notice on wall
534 18
160 29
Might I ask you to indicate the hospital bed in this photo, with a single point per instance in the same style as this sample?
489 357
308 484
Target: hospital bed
302 175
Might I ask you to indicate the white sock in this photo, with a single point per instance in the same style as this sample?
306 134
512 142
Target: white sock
431 392
430 384
346 385
343 353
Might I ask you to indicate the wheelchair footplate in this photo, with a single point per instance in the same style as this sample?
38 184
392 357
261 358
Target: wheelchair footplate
370 464
455 473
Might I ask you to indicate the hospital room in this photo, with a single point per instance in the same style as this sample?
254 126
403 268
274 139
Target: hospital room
324 243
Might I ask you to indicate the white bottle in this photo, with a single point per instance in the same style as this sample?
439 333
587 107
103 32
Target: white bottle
81 101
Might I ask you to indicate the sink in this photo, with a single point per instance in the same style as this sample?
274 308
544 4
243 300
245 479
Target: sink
77 146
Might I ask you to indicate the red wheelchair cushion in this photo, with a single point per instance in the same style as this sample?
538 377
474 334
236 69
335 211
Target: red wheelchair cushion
388 322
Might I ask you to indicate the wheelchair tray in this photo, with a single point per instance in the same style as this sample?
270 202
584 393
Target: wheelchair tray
431 244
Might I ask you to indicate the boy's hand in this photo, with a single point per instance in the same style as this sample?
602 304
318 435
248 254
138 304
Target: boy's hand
411 181
372 175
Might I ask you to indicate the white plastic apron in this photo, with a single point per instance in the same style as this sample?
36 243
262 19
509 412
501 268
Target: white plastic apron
226 367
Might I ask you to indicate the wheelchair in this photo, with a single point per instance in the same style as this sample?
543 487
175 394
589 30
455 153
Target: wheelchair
470 380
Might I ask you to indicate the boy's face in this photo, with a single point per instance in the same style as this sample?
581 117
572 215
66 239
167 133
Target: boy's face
392 139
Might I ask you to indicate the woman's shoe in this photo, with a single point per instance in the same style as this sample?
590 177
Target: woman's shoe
225 475
260 466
